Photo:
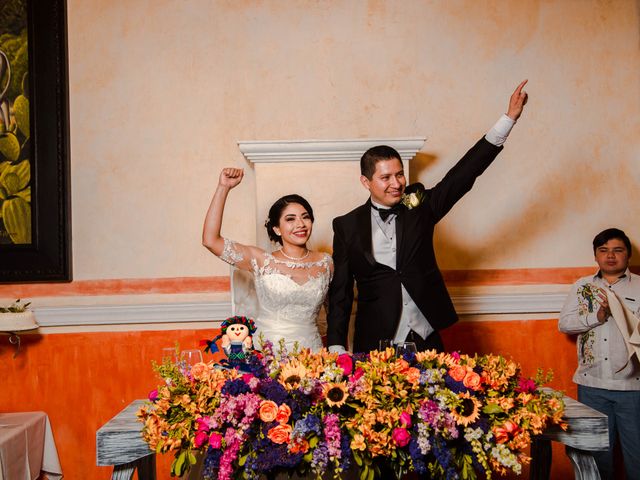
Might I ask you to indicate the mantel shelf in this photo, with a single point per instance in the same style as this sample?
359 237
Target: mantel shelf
278 151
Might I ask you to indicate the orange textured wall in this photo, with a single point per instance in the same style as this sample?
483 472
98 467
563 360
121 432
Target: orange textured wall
83 379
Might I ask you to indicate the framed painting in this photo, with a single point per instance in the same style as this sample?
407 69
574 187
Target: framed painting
35 211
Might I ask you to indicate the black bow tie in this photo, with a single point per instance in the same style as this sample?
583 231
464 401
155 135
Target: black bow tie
385 212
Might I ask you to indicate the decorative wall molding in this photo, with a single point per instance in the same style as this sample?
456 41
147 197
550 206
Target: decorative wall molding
512 303
276 151
132 314
527 303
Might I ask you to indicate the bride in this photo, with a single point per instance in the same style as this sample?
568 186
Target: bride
291 282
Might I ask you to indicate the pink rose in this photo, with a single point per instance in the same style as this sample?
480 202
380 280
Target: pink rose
215 440
526 385
357 374
401 437
153 395
203 423
200 439
345 362
405 419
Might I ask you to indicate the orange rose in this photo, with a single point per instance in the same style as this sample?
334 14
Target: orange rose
268 411
284 412
199 371
280 434
472 381
413 376
458 372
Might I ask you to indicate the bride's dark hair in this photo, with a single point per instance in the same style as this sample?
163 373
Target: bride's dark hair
275 212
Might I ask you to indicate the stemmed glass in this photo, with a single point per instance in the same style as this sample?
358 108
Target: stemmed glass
385 343
191 357
168 355
403 348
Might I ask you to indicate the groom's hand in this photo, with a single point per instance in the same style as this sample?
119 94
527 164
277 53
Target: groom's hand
517 101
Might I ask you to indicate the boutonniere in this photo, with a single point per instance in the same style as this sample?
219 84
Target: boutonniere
413 196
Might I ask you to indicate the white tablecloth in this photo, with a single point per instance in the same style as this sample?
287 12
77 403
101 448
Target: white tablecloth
27 447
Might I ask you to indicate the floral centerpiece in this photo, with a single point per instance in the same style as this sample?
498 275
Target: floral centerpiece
452 415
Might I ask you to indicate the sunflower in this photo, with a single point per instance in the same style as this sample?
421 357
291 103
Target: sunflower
467 410
335 393
292 374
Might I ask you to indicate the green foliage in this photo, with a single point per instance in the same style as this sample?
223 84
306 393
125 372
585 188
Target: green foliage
15 199
16 307
21 114
10 146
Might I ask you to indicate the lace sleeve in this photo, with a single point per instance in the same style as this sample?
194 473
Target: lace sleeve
244 257
231 253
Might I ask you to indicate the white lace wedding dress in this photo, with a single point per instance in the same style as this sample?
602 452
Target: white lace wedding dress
289 293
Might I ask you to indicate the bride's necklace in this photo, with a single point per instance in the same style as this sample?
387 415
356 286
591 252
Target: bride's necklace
295 258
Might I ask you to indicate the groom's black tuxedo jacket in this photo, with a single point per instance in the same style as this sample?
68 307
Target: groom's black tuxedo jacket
379 295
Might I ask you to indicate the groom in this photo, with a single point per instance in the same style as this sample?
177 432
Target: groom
387 249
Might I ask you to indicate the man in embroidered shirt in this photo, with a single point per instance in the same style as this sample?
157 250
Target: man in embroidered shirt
607 379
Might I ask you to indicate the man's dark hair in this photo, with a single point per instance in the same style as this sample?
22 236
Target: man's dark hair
608 234
375 155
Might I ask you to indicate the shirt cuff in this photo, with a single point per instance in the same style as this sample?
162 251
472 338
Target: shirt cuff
339 349
500 131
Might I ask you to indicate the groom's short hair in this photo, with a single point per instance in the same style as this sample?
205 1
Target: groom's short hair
373 156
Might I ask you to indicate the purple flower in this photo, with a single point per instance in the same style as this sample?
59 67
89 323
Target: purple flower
235 387
272 390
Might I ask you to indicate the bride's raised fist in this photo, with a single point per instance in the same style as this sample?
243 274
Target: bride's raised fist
230 177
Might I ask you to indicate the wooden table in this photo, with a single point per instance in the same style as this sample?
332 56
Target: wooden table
119 444
588 431
27 448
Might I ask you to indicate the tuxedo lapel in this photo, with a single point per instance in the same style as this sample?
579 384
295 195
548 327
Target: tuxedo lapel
363 220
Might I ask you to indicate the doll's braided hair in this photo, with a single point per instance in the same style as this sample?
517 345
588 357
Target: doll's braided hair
241 319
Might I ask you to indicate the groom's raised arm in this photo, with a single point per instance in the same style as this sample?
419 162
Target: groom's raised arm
459 180
340 293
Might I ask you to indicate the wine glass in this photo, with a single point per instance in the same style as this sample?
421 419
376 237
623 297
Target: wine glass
191 357
403 348
385 343
168 355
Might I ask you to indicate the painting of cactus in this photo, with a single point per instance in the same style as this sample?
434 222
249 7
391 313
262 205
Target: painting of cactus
34 161
15 166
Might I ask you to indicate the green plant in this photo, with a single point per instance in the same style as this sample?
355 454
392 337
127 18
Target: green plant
16 307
